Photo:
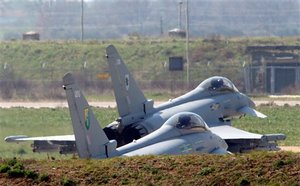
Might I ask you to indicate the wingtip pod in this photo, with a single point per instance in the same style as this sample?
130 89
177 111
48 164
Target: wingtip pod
14 138
68 79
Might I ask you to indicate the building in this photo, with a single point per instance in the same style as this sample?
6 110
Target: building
31 36
177 33
273 69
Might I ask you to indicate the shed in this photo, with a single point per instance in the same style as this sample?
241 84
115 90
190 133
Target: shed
273 69
177 33
31 35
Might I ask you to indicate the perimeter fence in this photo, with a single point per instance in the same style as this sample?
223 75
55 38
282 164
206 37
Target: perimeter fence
46 83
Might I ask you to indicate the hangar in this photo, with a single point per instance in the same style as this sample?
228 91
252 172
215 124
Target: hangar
273 69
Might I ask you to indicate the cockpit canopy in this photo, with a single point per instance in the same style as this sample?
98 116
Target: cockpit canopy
188 121
218 84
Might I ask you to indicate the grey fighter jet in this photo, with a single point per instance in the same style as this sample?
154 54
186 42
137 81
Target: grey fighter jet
216 100
182 133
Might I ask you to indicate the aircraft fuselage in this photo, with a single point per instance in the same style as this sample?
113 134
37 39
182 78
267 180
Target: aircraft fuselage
215 109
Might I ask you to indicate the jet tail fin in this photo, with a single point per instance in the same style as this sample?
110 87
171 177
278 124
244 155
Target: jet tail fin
131 102
91 141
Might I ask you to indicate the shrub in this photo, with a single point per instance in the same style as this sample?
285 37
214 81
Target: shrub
278 164
67 182
125 181
16 173
244 182
44 177
206 170
4 168
31 174
18 165
21 151
12 162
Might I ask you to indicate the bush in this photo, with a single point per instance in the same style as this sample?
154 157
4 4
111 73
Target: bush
21 151
278 164
4 168
244 182
31 174
12 162
15 169
206 170
67 182
19 166
44 177
16 173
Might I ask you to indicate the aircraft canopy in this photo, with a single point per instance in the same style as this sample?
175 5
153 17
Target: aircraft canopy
218 84
188 121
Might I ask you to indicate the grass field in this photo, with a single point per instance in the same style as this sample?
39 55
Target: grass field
281 119
43 122
33 70
39 122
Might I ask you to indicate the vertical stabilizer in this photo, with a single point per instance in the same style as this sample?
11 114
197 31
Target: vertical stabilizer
131 102
91 141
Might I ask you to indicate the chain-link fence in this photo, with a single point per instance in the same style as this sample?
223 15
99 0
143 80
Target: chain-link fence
46 83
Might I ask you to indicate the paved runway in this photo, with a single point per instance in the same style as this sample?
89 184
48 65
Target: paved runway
111 104
290 148
51 104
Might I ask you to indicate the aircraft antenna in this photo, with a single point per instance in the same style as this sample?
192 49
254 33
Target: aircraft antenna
82 20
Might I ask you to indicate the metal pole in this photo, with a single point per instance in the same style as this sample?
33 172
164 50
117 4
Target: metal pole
161 26
82 20
187 46
179 14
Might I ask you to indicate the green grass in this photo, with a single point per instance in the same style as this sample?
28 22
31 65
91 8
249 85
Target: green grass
280 120
27 80
43 122
39 122
144 57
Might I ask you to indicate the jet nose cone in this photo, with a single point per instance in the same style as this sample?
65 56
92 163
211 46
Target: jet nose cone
248 108
251 103
246 101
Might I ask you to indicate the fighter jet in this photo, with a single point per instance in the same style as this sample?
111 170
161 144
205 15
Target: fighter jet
182 133
216 100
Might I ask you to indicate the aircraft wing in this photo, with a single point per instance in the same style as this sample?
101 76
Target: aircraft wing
64 144
22 138
228 132
242 141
